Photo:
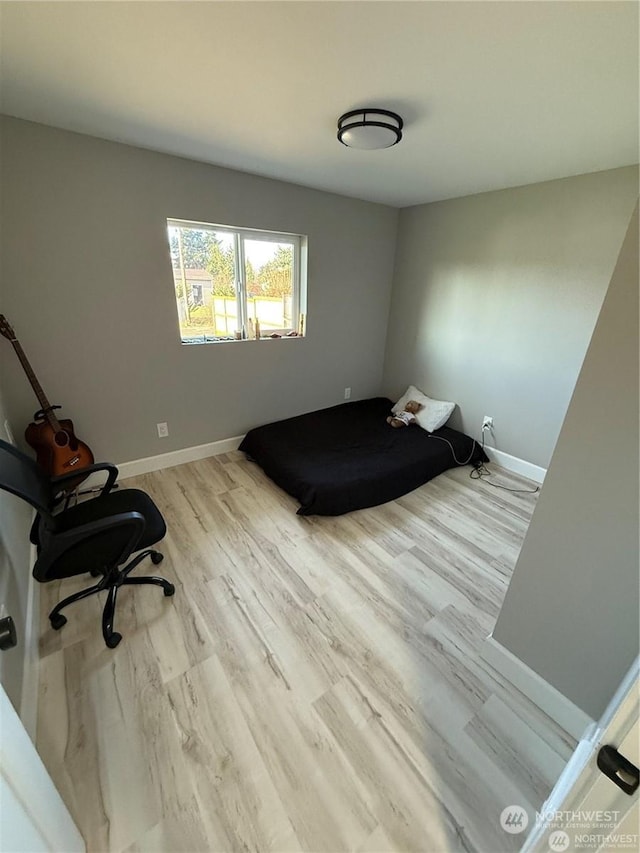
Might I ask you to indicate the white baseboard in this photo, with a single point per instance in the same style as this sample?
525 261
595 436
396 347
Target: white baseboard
31 660
225 445
568 716
177 457
556 801
518 466
576 779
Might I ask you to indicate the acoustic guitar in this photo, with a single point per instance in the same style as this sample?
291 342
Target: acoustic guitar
58 451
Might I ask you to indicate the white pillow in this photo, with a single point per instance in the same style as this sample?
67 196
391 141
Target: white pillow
432 415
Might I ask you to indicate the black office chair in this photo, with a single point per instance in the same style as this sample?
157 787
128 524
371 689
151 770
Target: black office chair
95 536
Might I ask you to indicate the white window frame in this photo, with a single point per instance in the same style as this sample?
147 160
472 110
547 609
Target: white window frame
298 241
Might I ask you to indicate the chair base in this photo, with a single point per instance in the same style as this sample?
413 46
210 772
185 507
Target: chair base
112 581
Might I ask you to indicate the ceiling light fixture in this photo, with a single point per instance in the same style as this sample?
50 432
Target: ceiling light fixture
369 128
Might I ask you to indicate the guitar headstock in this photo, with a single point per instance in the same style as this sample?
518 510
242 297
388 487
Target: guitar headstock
6 329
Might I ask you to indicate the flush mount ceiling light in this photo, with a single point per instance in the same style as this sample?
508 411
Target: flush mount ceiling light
369 128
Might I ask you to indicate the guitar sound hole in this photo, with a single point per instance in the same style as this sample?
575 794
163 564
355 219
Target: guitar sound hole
61 438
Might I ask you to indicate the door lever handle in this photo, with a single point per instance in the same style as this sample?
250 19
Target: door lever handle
8 636
619 769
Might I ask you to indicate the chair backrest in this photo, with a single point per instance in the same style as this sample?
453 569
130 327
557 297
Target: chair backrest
20 475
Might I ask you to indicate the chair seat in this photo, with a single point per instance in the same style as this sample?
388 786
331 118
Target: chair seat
95 552
121 500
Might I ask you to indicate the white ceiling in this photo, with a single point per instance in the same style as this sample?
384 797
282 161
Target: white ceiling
493 94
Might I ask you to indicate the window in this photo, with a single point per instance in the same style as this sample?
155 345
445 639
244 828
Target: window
235 283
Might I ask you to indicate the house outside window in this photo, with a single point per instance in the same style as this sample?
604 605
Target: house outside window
236 283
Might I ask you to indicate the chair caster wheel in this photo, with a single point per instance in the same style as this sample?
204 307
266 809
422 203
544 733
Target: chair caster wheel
113 639
57 621
95 573
169 589
157 558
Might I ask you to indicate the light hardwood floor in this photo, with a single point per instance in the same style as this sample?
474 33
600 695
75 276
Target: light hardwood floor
314 685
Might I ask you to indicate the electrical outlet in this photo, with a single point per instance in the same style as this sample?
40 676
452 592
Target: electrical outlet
347 393
487 423
163 430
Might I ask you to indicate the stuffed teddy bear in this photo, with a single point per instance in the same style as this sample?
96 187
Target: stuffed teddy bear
406 417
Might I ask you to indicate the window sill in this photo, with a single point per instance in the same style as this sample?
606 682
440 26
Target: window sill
194 342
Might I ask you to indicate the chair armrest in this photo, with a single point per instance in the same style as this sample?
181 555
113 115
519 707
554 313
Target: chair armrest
90 469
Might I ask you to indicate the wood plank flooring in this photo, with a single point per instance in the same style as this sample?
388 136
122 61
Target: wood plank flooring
314 684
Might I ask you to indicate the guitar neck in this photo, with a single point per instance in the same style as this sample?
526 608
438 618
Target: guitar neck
45 405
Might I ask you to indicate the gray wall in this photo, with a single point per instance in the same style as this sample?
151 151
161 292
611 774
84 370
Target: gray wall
495 299
88 286
15 522
571 611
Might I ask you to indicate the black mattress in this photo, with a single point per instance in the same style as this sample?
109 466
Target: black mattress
348 457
